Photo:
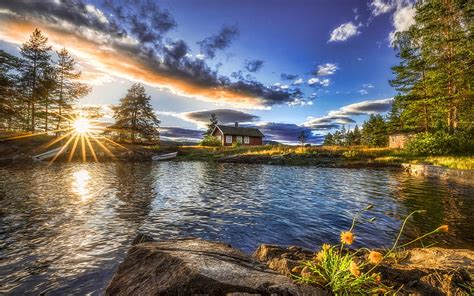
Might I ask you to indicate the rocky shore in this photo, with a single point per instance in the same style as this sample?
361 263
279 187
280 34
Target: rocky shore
200 267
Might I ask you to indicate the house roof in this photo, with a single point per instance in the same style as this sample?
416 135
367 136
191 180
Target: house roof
240 131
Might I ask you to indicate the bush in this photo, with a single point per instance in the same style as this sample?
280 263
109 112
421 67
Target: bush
210 141
441 143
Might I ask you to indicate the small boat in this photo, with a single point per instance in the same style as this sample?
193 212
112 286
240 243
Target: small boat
165 156
49 154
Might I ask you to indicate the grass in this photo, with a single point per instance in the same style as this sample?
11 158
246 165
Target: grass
341 155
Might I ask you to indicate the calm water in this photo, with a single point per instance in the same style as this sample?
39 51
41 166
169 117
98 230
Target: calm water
64 229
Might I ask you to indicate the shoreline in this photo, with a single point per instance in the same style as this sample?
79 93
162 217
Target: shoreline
216 268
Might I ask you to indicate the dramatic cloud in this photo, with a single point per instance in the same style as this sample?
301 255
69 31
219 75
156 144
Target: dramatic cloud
220 41
344 32
130 44
253 66
224 116
288 133
325 69
365 107
339 117
177 133
285 76
403 19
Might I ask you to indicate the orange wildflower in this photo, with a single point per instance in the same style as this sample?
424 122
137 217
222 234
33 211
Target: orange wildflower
319 256
443 228
354 269
297 269
347 237
375 257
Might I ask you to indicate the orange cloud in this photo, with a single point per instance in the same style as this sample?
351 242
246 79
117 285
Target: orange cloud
95 52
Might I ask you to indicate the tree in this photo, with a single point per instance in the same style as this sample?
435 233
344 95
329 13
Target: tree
212 124
135 115
435 75
303 137
329 140
68 90
35 53
374 131
356 136
9 67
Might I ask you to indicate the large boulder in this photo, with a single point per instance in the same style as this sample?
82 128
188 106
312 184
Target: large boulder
197 267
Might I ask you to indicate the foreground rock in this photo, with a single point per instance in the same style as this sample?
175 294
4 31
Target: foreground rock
194 266
428 271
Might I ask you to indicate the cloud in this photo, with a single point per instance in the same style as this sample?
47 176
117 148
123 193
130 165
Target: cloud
363 92
326 69
403 19
224 116
317 82
298 81
288 132
131 45
379 7
219 41
344 32
183 134
285 76
253 65
341 116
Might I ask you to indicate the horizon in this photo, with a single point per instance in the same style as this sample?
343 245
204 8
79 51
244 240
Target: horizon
317 66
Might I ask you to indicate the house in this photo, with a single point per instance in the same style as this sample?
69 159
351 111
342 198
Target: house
229 135
399 140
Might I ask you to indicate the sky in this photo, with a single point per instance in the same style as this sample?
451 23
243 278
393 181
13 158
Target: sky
283 66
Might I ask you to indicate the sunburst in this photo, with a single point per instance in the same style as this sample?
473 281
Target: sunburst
77 139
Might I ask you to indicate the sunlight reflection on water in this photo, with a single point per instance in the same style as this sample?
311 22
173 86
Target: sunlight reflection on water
65 228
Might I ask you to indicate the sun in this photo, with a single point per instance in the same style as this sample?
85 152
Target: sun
82 125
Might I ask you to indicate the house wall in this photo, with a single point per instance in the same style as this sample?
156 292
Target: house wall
398 140
253 141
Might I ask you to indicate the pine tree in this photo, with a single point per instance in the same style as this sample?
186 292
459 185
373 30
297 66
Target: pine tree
212 124
135 115
328 140
35 53
9 104
303 137
68 90
374 131
357 136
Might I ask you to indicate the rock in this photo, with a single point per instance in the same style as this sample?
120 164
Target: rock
281 260
142 238
194 266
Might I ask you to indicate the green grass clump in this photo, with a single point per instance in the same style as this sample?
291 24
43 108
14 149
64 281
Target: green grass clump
344 271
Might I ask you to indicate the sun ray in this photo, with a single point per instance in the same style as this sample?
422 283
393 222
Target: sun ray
49 144
115 143
62 149
91 149
83 148
103 147
73 150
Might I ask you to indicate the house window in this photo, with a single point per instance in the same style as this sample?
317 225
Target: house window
228 139
239 139
246 140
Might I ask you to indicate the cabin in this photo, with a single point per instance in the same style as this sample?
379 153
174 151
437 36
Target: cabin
399 140
229 135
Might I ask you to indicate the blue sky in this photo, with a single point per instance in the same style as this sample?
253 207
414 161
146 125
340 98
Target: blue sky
338 52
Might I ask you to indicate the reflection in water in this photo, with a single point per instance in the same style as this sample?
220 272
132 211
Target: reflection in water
65 228
80 185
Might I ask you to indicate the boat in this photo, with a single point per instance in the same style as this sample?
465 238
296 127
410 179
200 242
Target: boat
49 154
165 156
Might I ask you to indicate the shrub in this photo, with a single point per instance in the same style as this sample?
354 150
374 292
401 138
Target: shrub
210 141
441 143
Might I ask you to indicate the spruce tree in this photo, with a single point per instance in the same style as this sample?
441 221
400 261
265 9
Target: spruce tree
212 124
135 116
36 55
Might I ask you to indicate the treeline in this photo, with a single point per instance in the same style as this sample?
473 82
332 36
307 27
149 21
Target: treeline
37 90
435 75
374 133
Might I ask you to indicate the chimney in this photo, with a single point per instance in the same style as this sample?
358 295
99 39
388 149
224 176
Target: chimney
236 124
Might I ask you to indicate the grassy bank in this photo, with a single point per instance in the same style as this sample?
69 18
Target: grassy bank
339 155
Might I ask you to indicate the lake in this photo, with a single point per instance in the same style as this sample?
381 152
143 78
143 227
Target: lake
65 228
